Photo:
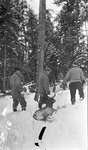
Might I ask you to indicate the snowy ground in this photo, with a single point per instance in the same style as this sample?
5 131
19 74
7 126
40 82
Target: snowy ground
67 131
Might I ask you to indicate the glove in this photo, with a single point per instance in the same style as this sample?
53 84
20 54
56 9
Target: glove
22 93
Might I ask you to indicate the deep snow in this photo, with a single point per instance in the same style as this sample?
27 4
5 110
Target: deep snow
66 131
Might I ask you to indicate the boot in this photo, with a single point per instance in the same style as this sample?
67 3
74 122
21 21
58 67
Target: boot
24 109
14 109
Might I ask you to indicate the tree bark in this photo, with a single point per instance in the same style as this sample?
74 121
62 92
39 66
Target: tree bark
41 43
4 72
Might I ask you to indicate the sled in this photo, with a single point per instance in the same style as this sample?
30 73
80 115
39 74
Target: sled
44 114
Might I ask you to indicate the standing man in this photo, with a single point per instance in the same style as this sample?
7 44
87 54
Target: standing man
44 89
16 84
76 79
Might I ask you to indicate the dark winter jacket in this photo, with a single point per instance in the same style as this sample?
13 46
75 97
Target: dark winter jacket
75 74
16 84
43 84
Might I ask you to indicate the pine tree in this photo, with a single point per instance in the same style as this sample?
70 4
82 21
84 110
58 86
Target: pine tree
8 33
68 31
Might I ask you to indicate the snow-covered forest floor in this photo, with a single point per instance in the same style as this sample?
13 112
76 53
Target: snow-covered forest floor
66 131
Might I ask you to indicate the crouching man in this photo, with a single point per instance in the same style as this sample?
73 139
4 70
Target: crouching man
16 85
44 90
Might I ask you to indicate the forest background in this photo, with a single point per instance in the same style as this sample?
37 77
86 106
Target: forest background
66 38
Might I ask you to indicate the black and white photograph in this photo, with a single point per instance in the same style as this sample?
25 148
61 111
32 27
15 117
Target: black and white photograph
43 74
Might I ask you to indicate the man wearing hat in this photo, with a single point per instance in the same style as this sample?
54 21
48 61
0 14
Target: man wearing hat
16 84
44 89
76 78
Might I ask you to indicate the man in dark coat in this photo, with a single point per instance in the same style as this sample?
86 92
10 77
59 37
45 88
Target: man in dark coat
76 79
16 84
44 89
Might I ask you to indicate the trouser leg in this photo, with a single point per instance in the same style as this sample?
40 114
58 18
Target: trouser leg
50 102
41 102
15 104
23 103
80 89
72 88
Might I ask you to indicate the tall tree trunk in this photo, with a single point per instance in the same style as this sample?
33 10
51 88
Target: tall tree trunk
42 17
4 72
41 43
